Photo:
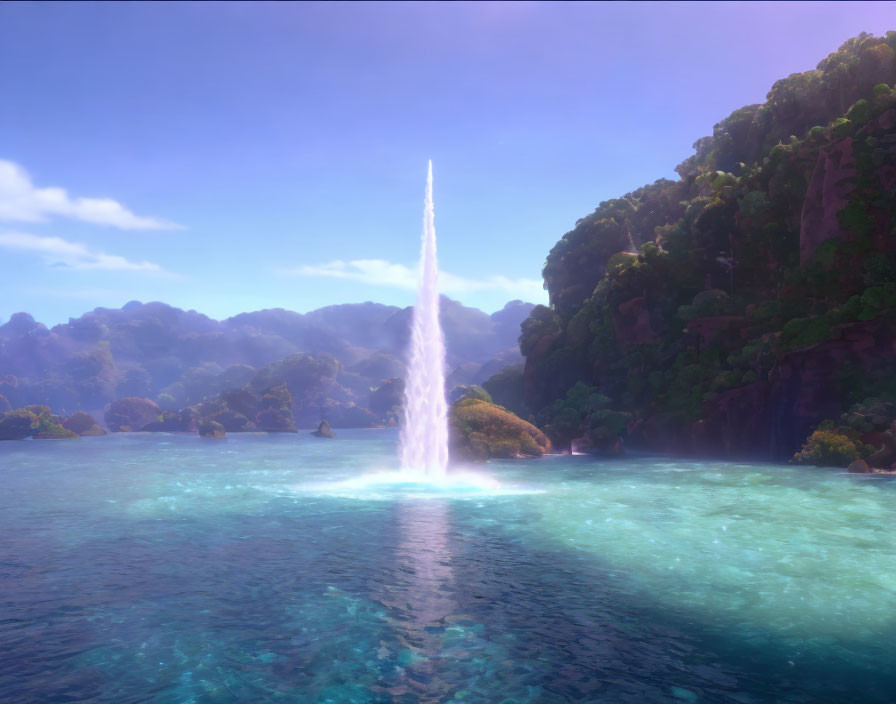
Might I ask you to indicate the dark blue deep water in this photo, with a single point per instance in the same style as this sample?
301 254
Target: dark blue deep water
166 568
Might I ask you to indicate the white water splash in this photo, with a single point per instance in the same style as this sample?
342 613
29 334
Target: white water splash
424 433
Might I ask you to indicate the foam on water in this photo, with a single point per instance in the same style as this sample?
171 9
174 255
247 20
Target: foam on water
392 484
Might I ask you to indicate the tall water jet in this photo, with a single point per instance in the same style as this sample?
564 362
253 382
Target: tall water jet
424 433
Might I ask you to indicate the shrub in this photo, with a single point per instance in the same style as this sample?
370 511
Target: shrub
829 448
860 112
480 430
842 127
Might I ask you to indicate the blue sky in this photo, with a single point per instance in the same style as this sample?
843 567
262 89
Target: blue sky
232 157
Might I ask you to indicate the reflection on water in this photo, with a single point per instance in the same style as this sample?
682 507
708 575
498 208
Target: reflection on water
424 556
422 597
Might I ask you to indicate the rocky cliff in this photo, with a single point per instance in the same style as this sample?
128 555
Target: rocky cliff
733 310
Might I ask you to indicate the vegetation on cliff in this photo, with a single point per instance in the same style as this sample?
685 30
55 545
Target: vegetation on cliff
827 447
733 310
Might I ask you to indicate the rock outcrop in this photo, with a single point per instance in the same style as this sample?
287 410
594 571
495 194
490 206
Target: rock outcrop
324 430
53 431
859 467
131 414
83 424
18 425
480 430
275 415
211 429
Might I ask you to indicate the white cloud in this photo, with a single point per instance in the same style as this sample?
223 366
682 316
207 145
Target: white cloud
379 272
22 201
72 255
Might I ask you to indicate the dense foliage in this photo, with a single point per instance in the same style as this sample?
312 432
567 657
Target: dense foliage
827 447
480 430
734 309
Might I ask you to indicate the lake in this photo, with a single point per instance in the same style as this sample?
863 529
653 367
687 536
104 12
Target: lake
286 568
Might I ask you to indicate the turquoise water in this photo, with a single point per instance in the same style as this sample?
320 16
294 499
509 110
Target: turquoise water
265 568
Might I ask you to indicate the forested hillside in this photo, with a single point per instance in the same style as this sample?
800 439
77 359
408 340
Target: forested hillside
733 310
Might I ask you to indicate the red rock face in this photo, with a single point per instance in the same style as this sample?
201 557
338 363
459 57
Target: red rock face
770 419
539 351
832 182
632 323
807 386
736 423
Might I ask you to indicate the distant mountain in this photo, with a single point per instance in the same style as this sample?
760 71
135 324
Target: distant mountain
179 357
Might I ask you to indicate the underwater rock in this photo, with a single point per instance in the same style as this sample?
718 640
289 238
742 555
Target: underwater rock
324 430
18 424
480 430
83 424
131 413
211 429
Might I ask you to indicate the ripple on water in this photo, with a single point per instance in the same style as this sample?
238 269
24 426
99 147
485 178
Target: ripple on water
256 570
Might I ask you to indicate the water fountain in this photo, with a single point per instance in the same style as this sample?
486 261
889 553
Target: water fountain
424 432
423 439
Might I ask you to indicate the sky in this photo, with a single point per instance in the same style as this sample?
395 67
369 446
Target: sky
232 157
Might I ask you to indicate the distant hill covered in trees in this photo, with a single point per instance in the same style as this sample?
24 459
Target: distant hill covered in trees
334 360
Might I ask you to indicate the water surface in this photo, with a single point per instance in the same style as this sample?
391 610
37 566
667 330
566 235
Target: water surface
167 568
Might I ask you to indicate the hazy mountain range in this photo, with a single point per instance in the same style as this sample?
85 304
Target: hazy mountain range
178 357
